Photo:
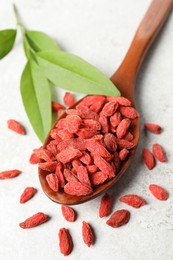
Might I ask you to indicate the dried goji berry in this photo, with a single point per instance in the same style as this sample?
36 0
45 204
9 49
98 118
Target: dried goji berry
110 142
133 200
158 192
52 181
56 106
153 128
48 166
87 234
129 112
109 108
34 159
68 213
148 158
105 205
68 154
69 176
27 194
118 218
69 99
35 220
44 154
104 123
82 175
159 153
9 174
123 127
86 158
115 119
121 100
98 178
65 241
16 126
123 154
104 166
77 188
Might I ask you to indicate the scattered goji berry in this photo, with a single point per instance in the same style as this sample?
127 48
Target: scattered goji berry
153 128
65 241
118 218
35 220
105 205
16 126
56 106
159 153
133 200
27 194
148 158
69 99
158 192
68 213
9 174
87 234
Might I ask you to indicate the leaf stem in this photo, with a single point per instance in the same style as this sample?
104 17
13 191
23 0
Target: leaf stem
18 21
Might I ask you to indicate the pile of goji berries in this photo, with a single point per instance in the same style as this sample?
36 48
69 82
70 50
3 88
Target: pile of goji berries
87 149
88 144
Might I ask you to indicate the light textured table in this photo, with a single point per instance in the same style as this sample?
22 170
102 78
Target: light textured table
100 31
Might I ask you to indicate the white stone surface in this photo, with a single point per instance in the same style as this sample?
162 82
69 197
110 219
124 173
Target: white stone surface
100 31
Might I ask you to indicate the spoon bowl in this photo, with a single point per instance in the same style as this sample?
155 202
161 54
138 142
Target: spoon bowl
124 79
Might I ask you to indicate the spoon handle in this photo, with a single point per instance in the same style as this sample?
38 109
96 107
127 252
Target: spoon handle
124 77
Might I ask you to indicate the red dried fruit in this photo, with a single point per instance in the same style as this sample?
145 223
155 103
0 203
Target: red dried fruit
90 100
69 99
82 175
122 143
104 166
87 234
56 106
159 153
52 146
148 158
60 175
110 142
90 123
34 159
48 166
16 126
60 112
76 164
86 158
98 105
128 136
76 143
118 218
109 108
123 154
72 111
86 132
158 192
117 162
129 112
69 176
68 213
35 220
44 154
64 134
9 174
115 119
105 205
86 113
77 188
123 127
92 168
97 148
68 154
73 123
153 128
52 181
98 178
121 100
133 200
65 241
104 123
27 194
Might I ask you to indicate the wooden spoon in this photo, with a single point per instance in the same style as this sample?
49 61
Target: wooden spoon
124 78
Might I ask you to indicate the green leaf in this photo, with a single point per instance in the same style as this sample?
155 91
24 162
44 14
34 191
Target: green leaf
36 96
7 38
73 73
40 41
